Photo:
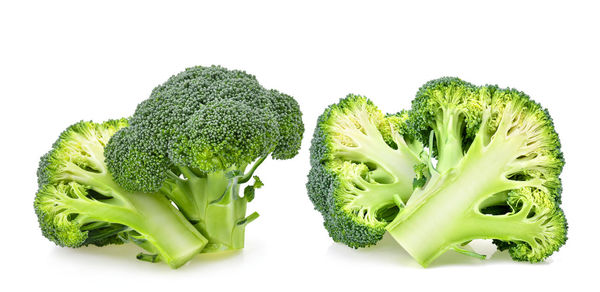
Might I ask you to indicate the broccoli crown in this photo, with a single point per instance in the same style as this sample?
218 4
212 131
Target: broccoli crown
507 142
359 161
224 134
207 118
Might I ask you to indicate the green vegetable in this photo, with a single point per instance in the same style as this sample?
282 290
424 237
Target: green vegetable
193 144
362 167
79 203
496 148
496 177
198 138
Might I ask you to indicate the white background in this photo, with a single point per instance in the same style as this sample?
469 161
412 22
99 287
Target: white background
62 62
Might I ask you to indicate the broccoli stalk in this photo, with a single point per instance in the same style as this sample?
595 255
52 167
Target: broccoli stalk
79 203
514 160
212 202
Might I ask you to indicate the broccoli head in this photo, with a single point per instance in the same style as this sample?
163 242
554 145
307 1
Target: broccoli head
197 138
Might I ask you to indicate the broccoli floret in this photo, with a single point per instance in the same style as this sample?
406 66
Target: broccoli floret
134 161
497 175
198 138
79 203
451 109
362 169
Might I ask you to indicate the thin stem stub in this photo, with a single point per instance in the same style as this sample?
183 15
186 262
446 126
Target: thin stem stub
468 253
152 258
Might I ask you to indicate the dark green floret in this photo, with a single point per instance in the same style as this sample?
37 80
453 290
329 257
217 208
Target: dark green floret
135 160
222 135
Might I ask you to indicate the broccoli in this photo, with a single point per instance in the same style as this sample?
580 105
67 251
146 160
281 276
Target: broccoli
466 162
362 169
497 175
169 178
198 138
78 202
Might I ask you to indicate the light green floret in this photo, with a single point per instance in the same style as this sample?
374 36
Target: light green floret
451 109
362 170
504 185
79 203
536 209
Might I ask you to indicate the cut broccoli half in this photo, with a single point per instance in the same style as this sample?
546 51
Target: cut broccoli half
78 202
362 169
497 175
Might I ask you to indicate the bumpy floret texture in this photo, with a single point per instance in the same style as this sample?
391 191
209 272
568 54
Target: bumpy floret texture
136 160
224 134
164 128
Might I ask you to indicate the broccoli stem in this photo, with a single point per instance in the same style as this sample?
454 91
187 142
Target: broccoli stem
151 258
179 191
448 137
392 168
372 149
446 212
202 190
166 229
226 220
425 239
150 214
378 198
249 174
192 194
99 231
212 203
